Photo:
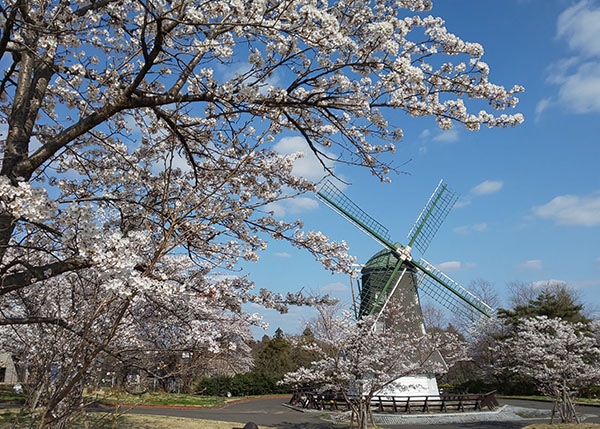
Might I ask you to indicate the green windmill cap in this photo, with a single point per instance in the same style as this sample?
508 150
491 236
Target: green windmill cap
385 258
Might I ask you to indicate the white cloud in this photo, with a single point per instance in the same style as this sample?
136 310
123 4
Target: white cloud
449 266
572 210
463 201
580 91
277 209
532 264
540 284
292 206
465 229
580 26
479 227
283 255
578 77
300 205
487 187
309 165
542 106
334 288
425 134
449 136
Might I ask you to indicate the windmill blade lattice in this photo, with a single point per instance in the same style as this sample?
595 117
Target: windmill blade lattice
340 203
449 293
431 217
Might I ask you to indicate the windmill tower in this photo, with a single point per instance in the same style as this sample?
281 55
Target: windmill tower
393 274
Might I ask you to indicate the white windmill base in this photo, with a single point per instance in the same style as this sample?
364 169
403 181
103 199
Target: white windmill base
416 386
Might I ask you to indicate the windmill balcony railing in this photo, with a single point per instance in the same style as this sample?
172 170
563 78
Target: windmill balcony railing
332 401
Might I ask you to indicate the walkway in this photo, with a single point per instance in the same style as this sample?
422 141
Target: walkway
274 413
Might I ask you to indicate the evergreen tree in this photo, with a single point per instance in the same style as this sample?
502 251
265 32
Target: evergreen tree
554 302
275 359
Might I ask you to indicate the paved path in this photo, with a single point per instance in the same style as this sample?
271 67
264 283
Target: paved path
272 412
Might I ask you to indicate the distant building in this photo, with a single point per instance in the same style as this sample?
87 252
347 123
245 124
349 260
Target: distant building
8 372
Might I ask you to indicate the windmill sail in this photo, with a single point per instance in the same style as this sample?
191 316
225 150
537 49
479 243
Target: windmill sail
433 214
339 202
449 293
381 280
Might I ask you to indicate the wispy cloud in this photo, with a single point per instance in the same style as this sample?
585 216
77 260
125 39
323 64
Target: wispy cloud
532 264
449 136
334 288
571 210
580 26
578 77
486 187
450 266
542 106
283 255
292 206
309 165
466 229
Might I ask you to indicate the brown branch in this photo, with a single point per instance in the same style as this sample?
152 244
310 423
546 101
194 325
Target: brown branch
22 279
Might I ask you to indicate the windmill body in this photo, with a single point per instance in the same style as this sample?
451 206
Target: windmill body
374 276
393 274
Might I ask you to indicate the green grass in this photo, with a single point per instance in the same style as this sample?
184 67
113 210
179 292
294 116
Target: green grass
156 398
563 426
128 421
582 401
115 397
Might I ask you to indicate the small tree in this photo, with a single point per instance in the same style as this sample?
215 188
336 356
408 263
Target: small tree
358 362
561 357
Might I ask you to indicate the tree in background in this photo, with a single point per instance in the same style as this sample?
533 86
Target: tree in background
560 356
273 358
139 150
553 300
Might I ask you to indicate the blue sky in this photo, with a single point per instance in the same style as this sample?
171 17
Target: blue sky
529 209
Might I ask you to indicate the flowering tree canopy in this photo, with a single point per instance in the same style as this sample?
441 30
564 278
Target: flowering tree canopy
147 122
137 137
561 357
359 361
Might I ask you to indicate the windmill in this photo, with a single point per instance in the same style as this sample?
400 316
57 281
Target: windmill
392 273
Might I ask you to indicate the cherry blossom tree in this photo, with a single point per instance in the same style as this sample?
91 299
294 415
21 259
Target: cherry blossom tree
560 356
138 143
358 361
84 330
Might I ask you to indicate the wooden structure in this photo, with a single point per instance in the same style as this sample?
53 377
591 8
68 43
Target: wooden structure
310 399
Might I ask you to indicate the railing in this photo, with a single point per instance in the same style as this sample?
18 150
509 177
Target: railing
310 399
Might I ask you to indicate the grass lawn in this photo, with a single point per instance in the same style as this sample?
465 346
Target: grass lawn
155 398
579 401
563 426
133 421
